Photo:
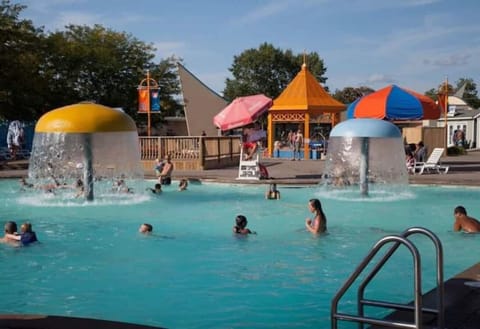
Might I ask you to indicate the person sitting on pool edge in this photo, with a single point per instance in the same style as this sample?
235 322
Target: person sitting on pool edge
272 193
241 225
319 223
145 228
463 222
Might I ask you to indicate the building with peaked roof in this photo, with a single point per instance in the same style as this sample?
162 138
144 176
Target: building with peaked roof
303 101
200 103
461 116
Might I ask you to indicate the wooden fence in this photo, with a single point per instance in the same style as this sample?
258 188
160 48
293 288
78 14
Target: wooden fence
191 153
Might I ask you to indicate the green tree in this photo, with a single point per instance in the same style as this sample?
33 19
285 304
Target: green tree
95 63
469 92
165 74
21 85
41 72
349 94
169 84
432 93
268 70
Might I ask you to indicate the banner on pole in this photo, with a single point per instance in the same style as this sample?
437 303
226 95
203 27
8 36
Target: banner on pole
155 100
143 100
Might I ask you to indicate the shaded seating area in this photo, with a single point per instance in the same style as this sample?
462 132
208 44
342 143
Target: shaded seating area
432 164
303 101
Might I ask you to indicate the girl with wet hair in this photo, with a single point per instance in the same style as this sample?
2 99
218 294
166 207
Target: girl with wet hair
319 222
241 225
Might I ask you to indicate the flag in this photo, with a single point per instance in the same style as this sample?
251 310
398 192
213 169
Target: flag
155 100
442 100
143 100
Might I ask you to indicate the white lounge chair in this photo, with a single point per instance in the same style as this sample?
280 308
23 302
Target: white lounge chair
432 163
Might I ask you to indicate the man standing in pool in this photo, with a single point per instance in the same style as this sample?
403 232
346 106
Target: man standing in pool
319 223
463 222
166 174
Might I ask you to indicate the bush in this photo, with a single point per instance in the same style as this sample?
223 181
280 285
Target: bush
455 150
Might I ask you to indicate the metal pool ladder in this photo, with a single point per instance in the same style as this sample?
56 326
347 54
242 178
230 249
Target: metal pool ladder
417 308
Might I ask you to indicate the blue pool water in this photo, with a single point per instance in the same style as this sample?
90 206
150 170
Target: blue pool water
193 273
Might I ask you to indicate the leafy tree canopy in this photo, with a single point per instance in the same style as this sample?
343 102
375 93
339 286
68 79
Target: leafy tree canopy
268 70
20 83
94 63
80 63
349 94
469 92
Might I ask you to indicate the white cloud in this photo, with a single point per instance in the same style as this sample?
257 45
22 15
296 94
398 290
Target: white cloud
46 6
450 60
76 18
259 13
378 79
167 49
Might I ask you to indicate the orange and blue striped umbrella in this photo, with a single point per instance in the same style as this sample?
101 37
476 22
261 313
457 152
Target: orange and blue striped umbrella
394 103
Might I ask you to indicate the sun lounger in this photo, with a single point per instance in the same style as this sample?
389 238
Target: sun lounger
432 163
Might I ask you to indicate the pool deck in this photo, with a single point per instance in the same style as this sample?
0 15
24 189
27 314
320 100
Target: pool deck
464 170
462 302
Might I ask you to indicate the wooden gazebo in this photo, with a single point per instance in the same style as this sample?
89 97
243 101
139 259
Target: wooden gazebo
304 98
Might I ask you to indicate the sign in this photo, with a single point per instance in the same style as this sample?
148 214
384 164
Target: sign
143 100
155 100
248 170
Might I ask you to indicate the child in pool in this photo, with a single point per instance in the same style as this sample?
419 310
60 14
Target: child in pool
241 225
156 190
182 186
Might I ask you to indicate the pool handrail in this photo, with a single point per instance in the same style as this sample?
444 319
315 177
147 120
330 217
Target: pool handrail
439 277
418 306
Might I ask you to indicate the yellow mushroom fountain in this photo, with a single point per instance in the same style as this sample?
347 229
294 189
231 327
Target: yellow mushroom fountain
85 141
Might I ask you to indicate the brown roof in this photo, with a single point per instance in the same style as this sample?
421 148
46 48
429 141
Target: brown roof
201 104
304 93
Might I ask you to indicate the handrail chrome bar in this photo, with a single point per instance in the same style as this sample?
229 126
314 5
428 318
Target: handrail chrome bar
439 276
418 309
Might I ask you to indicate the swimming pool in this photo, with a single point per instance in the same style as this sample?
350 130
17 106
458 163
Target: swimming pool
193 273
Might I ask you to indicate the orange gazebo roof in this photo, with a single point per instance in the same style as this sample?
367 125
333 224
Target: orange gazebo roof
304 93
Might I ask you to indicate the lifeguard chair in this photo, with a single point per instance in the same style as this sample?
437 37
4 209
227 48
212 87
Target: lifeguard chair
249 169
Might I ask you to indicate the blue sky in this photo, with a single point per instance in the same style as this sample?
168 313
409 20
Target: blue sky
412 43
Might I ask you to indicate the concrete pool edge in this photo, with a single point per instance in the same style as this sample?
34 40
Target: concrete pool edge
38 321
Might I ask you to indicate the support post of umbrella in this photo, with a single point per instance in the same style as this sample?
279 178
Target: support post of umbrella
365 141
88 167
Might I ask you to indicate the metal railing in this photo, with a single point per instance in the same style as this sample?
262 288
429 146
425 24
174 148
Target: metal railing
417 308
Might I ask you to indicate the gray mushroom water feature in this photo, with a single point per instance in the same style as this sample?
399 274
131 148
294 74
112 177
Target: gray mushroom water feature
365 153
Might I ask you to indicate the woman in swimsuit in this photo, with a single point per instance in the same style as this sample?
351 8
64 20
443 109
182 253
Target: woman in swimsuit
319 223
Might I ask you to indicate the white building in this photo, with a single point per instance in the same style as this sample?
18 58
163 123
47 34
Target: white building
460 116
